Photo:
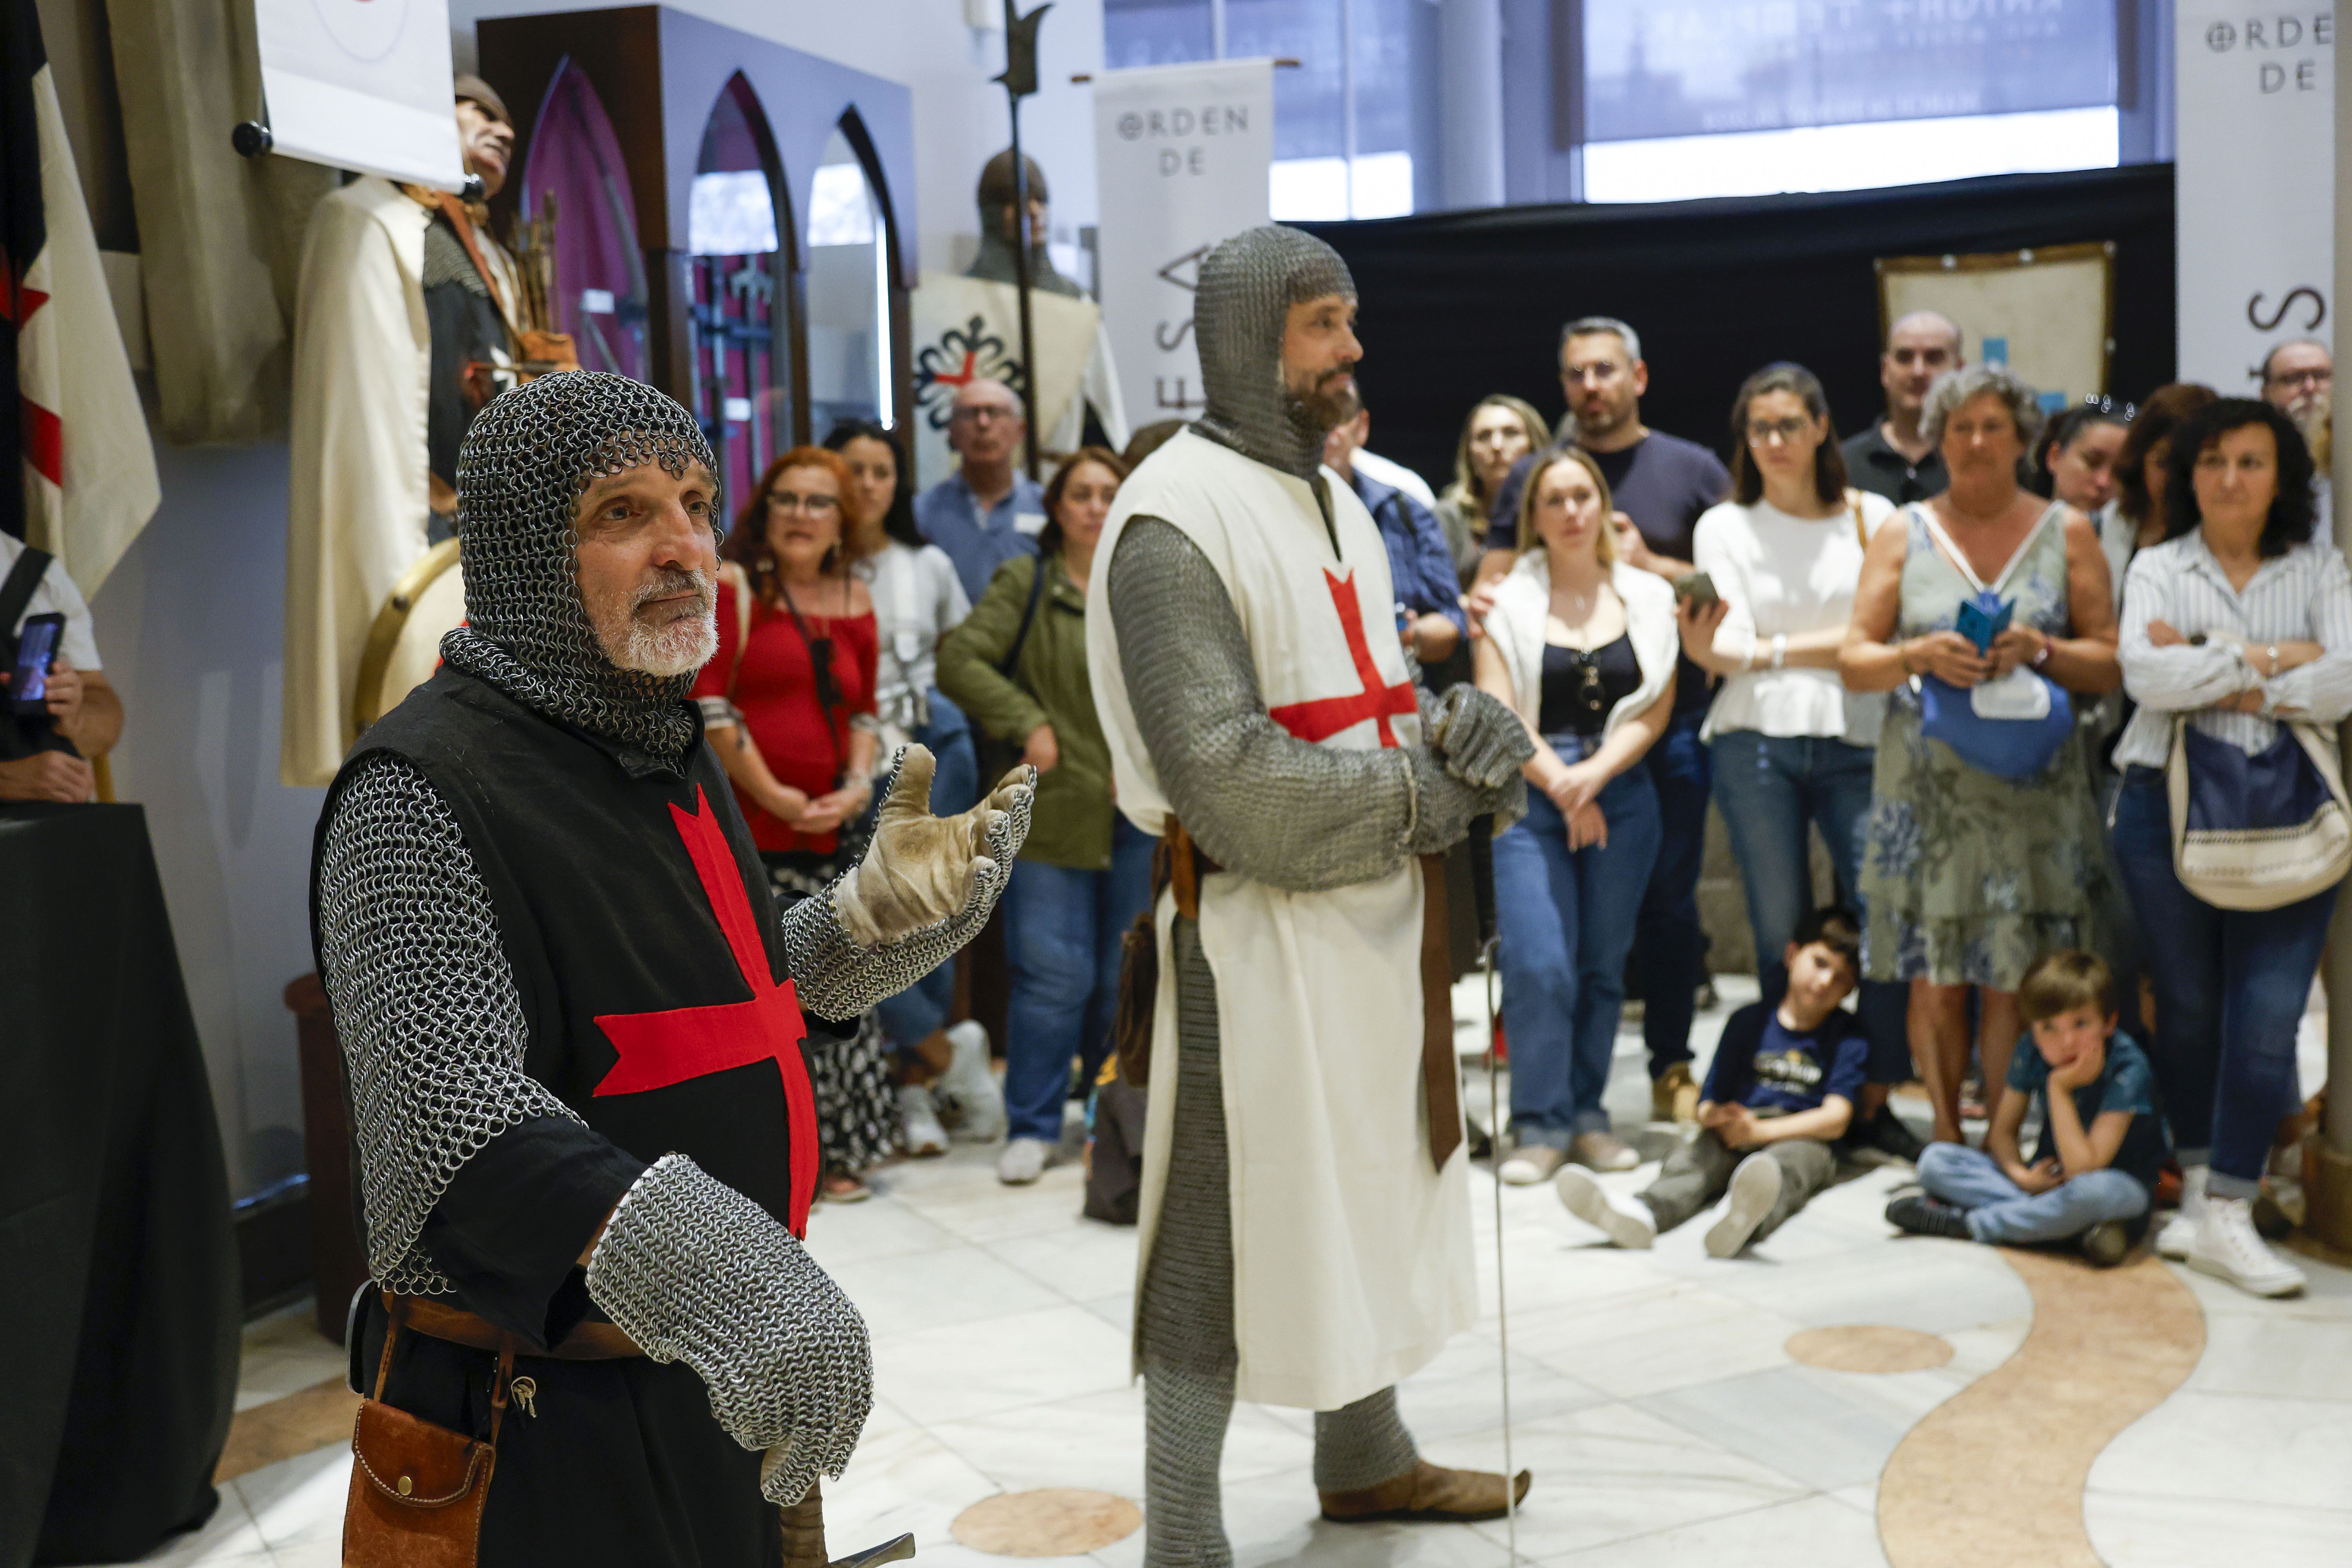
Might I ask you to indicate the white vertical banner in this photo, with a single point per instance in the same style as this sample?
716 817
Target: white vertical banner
362 84
2254 184
1182 154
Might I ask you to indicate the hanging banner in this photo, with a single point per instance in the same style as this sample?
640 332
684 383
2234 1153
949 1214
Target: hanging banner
2255 182
362 84
1182 154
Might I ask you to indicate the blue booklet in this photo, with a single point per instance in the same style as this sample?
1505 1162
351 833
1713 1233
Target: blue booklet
1983 618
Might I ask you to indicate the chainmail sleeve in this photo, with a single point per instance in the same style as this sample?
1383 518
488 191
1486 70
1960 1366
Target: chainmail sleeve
694 1272
424 1001
1264 803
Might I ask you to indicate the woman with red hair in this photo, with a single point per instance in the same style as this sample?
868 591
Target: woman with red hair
787 706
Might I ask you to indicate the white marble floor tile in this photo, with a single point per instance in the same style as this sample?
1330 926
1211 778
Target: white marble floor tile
880 1227
907 1483
1671 1338
1117 1310
1085 1262
955 1284
990 1210
1811 1532
2130 1530
2233 1450
953 1371
1828 1429
1929 1285
953 1553
284 1353
299 1499
2288 1358
1862 1500
1462 1391
1613 1472
324 1551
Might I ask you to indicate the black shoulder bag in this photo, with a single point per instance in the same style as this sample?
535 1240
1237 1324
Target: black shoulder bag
23 737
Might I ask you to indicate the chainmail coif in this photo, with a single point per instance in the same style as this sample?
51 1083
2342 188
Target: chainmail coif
525 461
1248 286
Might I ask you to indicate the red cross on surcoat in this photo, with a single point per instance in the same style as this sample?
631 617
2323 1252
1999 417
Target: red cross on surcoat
1327 716
658 1049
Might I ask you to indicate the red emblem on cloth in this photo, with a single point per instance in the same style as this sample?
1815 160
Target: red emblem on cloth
1327 716
658 1049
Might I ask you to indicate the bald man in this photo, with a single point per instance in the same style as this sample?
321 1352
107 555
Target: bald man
987 511
1893 458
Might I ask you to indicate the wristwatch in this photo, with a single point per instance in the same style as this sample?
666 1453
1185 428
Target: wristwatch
2041 654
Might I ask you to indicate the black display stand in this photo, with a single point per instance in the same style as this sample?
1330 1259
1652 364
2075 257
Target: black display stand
118 1261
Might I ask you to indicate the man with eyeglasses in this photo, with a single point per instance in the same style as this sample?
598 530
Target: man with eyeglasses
1893 457
987 511
1659 485
2299 381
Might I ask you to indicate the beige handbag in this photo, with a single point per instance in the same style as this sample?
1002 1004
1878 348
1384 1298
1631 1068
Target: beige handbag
2261 867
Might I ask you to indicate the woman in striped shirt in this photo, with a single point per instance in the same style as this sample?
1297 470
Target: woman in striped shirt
2237 621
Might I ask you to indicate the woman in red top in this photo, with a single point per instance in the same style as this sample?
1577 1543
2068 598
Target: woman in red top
787 706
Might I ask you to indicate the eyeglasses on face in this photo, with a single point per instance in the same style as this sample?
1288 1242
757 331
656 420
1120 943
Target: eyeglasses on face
982 413
1595 369
1761 431
2314 378
783 501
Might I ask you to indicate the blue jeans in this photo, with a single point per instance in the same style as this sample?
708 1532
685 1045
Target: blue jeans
1769 788
1062 931
1669 945
2231 985
1566 917
917 1012
2000 1211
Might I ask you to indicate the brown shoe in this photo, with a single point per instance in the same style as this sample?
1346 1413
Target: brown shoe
1427 1493
1674 1094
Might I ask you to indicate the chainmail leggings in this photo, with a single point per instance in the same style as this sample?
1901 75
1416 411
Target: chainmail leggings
1185 1318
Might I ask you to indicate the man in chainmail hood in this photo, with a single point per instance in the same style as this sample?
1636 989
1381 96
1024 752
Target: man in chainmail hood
1305 1218
570 1020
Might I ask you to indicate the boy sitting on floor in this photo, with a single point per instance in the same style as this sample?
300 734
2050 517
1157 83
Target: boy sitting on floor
1781 1091
2102 1141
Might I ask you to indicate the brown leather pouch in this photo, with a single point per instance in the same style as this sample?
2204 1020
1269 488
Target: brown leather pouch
417 1489
1138 993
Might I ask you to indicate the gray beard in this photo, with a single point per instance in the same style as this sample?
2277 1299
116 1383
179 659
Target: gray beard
679 648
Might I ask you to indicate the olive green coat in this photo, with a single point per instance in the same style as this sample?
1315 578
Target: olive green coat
1072 823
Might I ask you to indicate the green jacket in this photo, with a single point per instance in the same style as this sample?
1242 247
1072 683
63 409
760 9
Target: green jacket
1072 823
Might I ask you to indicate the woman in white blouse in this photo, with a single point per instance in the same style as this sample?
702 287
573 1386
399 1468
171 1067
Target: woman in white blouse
2237 621
1582 647
1793 749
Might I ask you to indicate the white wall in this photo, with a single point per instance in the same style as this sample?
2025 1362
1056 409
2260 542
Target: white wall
191 624
959 114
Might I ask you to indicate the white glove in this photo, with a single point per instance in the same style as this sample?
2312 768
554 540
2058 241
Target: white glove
922 870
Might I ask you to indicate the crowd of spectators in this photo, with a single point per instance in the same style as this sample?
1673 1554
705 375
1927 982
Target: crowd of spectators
1961 647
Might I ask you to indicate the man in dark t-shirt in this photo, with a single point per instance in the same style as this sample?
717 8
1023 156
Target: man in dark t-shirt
1892 456
1659 484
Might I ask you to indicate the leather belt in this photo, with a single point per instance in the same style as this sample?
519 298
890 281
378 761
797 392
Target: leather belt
437 1320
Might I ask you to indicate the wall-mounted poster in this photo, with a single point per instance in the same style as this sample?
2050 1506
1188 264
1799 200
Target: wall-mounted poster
2047 314
362 84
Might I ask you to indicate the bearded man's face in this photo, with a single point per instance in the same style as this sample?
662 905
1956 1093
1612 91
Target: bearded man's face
1320 355
648 566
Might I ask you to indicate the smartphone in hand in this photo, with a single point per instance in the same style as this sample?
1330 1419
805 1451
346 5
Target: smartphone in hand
36 650
1695 589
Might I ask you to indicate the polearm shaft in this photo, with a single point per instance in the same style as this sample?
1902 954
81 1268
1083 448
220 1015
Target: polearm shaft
1020 80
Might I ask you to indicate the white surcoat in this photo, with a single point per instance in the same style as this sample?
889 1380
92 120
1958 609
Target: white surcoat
1352 1254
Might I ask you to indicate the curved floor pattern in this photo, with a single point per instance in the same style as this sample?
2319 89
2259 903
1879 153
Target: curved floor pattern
2025 1434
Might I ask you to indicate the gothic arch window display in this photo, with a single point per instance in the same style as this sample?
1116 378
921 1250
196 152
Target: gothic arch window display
600 271
740 232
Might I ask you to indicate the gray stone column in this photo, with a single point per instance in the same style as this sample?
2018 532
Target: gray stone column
1470 102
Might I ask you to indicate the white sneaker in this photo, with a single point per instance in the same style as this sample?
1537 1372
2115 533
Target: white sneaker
1531 1164
2228 1247
2179 1235
1625 1222
969 1086
1023 1161
925 1136
1755 1188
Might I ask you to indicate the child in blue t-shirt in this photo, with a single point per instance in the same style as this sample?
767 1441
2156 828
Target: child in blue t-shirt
1781 1091
2102 1139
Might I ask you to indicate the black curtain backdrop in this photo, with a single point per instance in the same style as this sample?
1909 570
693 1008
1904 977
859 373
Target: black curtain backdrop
1458 305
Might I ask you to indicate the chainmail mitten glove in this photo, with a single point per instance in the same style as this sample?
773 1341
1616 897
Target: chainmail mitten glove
1482 741
839 975
1444 807
921 869
694 1272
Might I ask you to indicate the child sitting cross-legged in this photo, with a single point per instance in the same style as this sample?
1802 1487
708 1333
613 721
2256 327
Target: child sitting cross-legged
2102 1141
1781 1091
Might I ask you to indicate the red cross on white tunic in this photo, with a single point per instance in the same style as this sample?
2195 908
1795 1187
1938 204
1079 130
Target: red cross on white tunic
658 1049
1327 716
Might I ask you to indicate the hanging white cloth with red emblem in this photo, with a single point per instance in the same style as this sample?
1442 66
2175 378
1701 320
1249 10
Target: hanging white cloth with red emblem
1352 1255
